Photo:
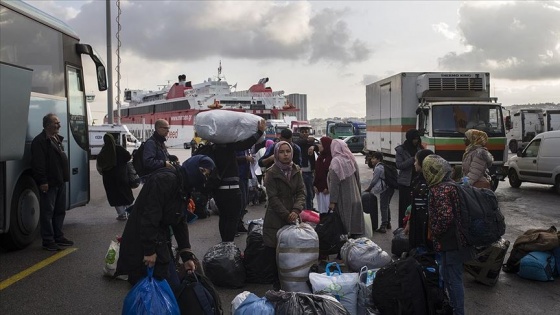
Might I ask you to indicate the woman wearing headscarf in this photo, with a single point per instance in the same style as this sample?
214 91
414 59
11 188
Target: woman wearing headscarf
477 159
286 198
445 227
320 183
111 164
405 164
345 188
417 224
161 207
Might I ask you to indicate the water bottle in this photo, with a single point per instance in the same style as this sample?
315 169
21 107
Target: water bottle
465 180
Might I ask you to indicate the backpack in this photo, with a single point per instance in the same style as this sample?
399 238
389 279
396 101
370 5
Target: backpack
398 288
390 174
138 160
215 178
196 295
482 222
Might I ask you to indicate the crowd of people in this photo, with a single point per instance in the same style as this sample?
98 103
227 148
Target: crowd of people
318 175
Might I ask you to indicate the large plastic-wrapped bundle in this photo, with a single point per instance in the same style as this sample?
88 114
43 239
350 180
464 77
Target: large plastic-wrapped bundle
296 252
288 303
360 252
342 286
226 126
224 266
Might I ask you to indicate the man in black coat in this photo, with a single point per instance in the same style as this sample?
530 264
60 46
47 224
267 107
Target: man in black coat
161 204
50 169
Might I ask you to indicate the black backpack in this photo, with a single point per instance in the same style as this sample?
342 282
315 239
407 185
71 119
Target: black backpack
482 221
398 288
196 295
138 160
390 175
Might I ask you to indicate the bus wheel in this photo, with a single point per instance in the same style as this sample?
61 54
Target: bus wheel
24 216
513 146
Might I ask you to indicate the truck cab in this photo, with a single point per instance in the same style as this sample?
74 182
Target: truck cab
339 129
523 126
122 136
296 125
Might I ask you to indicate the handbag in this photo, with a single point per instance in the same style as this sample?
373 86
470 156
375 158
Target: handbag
331 232
133 178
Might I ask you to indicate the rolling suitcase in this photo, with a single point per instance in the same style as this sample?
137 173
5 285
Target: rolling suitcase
369 205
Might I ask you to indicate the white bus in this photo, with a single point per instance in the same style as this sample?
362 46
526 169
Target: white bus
41 72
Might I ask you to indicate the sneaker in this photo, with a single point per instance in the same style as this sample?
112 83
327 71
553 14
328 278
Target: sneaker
64 242
52 247
242 229
237 234
381 229
122 217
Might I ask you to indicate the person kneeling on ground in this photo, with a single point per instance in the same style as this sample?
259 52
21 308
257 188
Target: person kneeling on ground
146 240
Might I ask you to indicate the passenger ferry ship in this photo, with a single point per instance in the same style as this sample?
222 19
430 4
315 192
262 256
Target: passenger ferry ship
180 102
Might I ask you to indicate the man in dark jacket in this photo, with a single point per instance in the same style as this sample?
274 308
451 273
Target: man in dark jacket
155 153
228 195
50 171
307 147
161 204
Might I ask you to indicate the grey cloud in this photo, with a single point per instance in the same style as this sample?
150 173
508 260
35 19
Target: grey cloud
516 40
172 30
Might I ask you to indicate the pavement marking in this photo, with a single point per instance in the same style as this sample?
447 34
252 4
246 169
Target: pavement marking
38 266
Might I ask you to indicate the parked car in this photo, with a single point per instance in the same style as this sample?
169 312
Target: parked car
538 162
355 143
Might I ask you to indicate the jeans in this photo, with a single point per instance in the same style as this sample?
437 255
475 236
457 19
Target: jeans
384 207
452 272
310 193
53 211
228 202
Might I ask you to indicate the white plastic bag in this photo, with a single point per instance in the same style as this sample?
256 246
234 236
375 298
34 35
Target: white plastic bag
342 286
225 126
111 259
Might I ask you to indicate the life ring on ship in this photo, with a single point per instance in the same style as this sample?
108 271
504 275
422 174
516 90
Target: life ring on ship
216 105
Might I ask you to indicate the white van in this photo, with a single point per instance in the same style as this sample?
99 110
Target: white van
538 162
121 134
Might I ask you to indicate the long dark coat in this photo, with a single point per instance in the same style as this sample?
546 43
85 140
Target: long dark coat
116 182
283 196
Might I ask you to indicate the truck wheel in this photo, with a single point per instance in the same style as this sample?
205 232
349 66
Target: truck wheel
557 184
24 216
514 180
185 146
513 146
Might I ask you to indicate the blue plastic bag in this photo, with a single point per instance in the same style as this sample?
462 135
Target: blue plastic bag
150 297
255 305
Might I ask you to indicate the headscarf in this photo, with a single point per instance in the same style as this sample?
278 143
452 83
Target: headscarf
422 154
194 177
107 157
268 143
477 139
412 134
342 159
435 169
326 155
285 168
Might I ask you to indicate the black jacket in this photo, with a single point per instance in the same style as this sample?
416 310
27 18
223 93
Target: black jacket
159 205
48 161
115 181
225 157
306 160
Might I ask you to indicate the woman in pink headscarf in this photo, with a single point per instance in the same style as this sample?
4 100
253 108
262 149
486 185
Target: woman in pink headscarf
345 188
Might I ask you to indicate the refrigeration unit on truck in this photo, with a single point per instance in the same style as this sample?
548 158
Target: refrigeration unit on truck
442 106
522 127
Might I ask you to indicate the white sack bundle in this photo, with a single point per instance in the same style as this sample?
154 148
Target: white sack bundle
226 126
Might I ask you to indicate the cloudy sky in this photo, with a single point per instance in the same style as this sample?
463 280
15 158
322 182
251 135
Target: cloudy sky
328 50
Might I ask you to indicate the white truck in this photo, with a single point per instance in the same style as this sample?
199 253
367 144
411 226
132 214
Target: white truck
442 106
121 134
523 126
551 119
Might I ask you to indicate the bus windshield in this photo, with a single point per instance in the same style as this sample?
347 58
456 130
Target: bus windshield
455 120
